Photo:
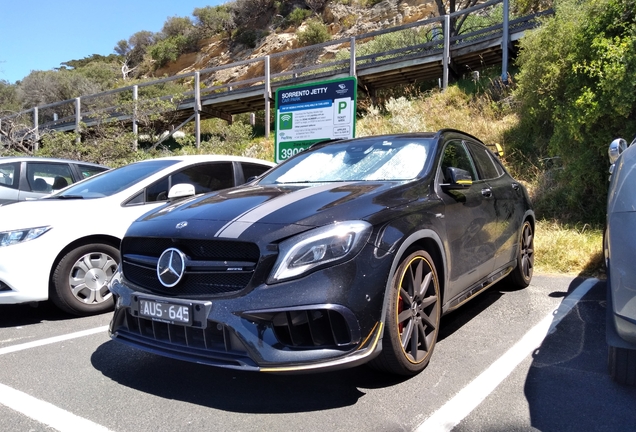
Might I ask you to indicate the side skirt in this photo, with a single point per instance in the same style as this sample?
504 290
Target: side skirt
478 288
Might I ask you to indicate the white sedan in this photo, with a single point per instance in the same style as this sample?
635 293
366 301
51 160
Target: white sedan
66 247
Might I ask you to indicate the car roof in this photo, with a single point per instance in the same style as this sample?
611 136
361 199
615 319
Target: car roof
437 134
6 159
211 158
202 158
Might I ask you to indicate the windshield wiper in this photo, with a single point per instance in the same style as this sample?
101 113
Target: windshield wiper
67 197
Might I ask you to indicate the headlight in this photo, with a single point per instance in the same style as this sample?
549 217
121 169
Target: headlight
321 246
8 238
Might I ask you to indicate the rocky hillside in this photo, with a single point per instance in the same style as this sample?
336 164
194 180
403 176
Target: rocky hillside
342 21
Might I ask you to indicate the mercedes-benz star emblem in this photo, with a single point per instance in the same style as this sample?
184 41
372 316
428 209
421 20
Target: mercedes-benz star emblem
171 267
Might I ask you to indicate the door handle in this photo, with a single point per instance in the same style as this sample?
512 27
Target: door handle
515 186
487 192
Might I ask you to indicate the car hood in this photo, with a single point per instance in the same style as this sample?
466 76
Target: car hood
254 212
43 212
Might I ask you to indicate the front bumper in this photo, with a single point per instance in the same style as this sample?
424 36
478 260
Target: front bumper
24 272
327 320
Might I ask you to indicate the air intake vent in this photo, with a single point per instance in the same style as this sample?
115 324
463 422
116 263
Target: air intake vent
308 328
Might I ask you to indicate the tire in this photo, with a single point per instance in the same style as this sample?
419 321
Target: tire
412 321
622 365
79 284
521 275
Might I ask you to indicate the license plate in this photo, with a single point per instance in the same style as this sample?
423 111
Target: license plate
165 311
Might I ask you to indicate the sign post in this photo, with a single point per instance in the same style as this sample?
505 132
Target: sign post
309 113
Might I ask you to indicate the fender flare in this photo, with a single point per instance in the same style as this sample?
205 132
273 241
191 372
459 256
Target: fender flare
399 254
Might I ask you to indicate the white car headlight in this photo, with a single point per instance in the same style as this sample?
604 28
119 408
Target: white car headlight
8 238
318 247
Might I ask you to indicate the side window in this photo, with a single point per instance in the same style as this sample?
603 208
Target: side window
88 170
10 175
484 162
251 170
47 177
204 177
455 155
158 191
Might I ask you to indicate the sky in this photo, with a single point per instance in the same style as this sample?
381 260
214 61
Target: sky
42 34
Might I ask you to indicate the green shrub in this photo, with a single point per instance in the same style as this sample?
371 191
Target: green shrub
316 32
169 49
577 89
297 16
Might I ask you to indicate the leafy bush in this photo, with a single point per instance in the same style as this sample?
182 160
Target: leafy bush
316 32
169 50
577 88
115 151
213 19
297 16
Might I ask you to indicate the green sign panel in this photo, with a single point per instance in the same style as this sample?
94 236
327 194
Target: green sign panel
306 114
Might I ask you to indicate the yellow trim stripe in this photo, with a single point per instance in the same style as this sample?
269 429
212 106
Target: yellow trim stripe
327 364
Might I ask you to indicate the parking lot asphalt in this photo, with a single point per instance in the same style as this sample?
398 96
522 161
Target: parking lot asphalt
532 359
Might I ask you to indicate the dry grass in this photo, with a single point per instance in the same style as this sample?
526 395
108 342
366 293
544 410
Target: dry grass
436 110
568 250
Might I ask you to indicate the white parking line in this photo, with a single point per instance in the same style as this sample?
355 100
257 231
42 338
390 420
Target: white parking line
20 347
41 411
45 412
460 406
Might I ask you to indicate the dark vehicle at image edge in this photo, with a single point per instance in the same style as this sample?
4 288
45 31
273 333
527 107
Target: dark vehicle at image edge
349 252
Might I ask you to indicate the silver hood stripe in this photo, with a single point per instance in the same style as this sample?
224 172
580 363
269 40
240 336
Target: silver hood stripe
238 225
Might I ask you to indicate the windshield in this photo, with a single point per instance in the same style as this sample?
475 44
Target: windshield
367 159
110 182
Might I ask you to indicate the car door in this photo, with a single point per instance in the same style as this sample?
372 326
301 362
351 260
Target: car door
470 219
42 178
508 201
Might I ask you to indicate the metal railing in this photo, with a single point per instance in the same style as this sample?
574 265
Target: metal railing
248 85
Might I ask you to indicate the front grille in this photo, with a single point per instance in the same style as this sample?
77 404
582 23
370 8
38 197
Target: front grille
215 267
215 344
196 249
211 338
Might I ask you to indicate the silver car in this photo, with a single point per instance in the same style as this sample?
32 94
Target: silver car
24 178
619 245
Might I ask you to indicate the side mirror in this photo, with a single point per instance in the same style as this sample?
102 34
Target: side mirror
181 190
459 179
616 147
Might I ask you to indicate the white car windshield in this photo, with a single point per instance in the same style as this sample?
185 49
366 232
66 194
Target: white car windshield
362 160
110 182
